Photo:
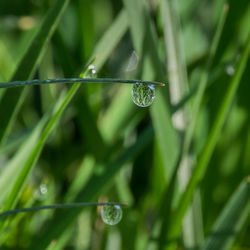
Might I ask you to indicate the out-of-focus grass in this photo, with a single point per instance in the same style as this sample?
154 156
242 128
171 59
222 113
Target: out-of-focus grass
106 148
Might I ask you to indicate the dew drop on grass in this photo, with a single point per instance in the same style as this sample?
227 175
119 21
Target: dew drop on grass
41 193
143 94
91 71
111 214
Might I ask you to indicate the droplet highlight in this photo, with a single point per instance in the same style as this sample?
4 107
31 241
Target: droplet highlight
143 95
111 214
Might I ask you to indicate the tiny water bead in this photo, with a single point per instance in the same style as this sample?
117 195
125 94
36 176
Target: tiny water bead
143 94
111 214
91 71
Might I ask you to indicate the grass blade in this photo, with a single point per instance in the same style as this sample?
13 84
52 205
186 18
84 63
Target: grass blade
144 36
208 149
73 80
178 87
59 206
91 190
231 220
12 99
203 81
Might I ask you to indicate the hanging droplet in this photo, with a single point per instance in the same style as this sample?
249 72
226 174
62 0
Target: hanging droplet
111 214
143 94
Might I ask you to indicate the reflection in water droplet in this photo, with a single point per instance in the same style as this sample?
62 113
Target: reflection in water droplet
143 94
111 214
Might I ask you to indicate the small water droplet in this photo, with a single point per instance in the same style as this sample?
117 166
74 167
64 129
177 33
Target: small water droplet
143 94
230 69
111 214
41 193
43 189
91 71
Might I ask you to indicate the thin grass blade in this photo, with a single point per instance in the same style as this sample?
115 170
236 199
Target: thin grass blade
231 220
208 149
13 98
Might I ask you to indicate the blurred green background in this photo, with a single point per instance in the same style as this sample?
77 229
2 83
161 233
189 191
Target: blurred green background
105 148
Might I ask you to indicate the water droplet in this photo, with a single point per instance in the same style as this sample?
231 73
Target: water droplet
41 193
111 214
230 70
91 71
43 189
143 94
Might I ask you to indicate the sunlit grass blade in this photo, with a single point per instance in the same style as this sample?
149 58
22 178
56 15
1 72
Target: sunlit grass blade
95 185
203 81
108 42
33 156
13 98
13 168
27 164
231 220
208 149
145 42
178 88
110 38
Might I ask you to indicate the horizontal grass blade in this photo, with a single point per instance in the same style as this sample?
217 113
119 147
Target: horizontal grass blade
231 220
208 149
12 98
73 80
60 206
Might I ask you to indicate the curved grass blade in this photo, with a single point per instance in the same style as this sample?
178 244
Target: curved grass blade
59 108
200 168
12 98
27 165
231 220
203 81
95 185
13 168
145 42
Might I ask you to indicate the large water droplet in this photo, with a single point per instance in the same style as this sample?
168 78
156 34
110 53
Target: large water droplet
111 214
143 94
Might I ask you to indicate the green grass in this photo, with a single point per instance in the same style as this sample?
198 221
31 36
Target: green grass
182 165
